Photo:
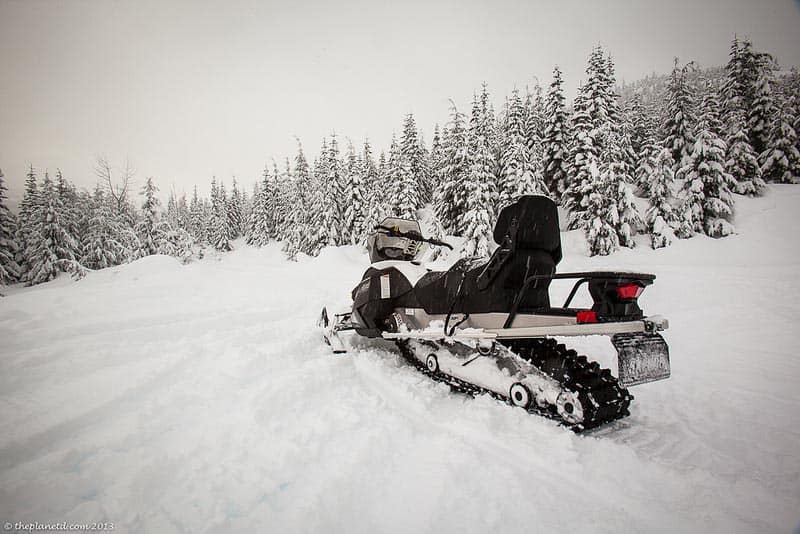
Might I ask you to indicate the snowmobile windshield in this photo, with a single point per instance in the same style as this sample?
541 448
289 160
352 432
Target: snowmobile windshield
387 244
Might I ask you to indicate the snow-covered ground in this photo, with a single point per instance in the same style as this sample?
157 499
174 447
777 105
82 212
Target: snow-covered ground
201 398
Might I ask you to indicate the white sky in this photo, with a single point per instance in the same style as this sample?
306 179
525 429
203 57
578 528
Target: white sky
191 89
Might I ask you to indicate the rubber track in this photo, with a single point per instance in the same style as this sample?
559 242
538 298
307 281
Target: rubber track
603 399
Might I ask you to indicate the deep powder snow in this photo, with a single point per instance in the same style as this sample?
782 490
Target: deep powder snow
201 398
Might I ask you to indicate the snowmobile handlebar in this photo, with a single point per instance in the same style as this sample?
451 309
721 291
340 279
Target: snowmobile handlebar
414 236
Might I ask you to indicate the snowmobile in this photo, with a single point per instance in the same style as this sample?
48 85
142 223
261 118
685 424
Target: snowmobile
487 326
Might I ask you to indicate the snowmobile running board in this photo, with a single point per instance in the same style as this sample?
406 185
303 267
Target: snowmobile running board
650 325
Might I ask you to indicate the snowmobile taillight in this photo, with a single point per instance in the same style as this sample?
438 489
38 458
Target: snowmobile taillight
629 291
587 316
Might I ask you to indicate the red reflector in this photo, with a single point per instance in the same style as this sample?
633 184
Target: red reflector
587 316
629 291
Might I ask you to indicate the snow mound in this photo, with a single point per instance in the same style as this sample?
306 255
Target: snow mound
201 398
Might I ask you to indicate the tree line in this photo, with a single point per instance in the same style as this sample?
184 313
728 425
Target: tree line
663 160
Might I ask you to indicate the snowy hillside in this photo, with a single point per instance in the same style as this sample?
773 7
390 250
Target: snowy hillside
201 398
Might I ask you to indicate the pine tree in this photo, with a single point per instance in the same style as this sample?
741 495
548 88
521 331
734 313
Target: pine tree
516 175
480 183
184 221
780 162
374 186
391 178
598 93
49 247
260 227
450 196
583 165
409 171
9 269
737 92
70 213
356 204
332 173
679 120
741 162
646 167
197 223
601 217
639 128
320 228
107 241
707 204
761 112
535 121
555 155
234 210
660 217
171 215
297 238
173 241
25 219
146 229
218 221
629 219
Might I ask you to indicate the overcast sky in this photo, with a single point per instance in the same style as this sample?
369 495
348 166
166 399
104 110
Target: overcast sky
191 89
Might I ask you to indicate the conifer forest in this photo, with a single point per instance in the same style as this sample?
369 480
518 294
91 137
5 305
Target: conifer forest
664 157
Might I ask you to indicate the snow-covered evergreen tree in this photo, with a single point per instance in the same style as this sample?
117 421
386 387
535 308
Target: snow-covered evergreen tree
480 183
171 214
741 162
9 269
679 120
25 219
707 202
331 171
761 113
108 241
735 89
584 163
450 196
260 226
409 172
535 120
374 186
555 147
356 199
645 169
601 217
780 162
516 178
235 213
70 210
184 220
598 92
640 129
173 241
300 219
197 222
218 222
49 247
660 217
146 229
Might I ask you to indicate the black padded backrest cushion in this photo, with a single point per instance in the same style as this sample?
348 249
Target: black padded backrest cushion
538 225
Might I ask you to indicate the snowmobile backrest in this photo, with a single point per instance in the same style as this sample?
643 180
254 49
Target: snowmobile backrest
537 225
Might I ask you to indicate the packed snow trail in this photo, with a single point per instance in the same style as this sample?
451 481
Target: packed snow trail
201 398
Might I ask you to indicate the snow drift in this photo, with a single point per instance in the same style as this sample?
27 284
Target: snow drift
164 398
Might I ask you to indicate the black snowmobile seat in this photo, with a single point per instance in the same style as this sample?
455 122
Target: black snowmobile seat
530 244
